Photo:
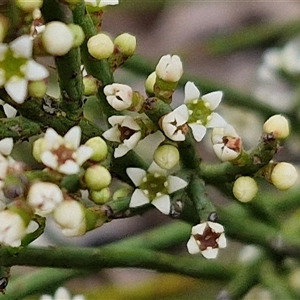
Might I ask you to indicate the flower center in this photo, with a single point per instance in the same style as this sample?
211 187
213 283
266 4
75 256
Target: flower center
199 112
12 65
154 185
233 143
125 132
207 239
63 154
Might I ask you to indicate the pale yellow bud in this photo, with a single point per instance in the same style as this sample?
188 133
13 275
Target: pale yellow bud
29 5
97 177
284 176
166 156
37 88
278 125
102 196
149 83
78 34
245 188
90 84
99 147
38 148
100 46
126 43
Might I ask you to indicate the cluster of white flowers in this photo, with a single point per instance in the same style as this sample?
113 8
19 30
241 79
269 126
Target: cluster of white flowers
62 294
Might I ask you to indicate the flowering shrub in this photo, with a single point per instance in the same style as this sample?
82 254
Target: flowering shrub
142 150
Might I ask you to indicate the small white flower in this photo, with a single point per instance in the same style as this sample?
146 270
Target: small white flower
62 294
207 238
125 131
200 110
17 68
70 216
154 186
64 154
169 68
119 96
44 197
174 124
226 143
12 228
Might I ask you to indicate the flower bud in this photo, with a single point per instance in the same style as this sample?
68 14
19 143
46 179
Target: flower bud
121 193
149 83
245 188
37 88
278 125
169 68
99 147
70 216
90 84
284 176
29 6
100 46
100 197
78 34
166 156
38 149
57 38
126 43
97 177
119 96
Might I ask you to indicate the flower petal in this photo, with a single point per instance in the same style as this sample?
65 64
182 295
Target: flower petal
210 253
154 168
222 242
121 150
213 99
191 92
112 134
138 198
216 121
192 246
216 227
136 175
199 228
130 123
114 120
72 137
35 71
163 204
198 131
22 46
69 167
16 88
175 183
6 146
83 153
49 160
181 114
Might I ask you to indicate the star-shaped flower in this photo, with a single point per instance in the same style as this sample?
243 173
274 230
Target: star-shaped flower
17 68
119 96
126 131
64 154
154 186
207 238
200 109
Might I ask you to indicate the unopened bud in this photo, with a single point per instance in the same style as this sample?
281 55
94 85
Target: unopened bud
78 34
284 176
100 197
126 43
245 188
38 148
149 83
99 147
29 6
169 68
278 125
166 156
57 38
97 177
100 46
90 84
37 88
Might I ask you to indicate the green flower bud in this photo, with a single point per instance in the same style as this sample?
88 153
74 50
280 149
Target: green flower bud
90 84
78 34
100 46
37 88
121 193
29 6
149 83
245 188
284 176
99 147
126 43
100 197
38 149
166 156
97 177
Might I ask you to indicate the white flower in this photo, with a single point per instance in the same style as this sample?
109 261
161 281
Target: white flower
12 228
169 68
62 294
70 216
200 110
44 197
119 96
64 154
9 110
226 143
174 124
125 131
154 186
207 238
17 68
6 146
